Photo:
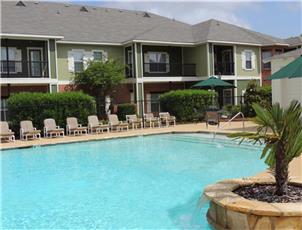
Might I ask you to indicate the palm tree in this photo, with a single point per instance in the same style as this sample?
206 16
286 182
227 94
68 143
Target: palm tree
281 132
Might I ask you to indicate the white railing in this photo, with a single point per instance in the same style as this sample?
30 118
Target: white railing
229 122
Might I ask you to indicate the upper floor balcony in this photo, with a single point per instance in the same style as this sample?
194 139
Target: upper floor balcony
24 59
223 60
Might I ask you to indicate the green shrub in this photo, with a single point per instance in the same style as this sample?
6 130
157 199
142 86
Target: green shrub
125 109
186 105
59 106
231 110
256 94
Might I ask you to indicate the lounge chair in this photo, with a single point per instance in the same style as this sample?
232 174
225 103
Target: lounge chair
72 127
114 123
51 129
150 120
28 130
134 121
5 132
95 126
212 118
167 119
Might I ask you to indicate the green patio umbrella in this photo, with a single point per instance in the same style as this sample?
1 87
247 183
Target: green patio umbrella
213 83
292 70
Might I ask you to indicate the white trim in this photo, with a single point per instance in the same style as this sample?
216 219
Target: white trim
160 42
226 77
65 82
235 92
244 43
7 35
90 43
260 65
208 59
142 61
48 58
27 80
173 79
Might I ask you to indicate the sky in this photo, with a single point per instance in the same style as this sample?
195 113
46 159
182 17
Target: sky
281 19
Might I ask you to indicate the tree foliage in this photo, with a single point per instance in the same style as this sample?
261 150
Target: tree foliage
281 132
99 80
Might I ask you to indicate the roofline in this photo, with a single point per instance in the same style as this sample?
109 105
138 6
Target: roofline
90 43
161 42
244 43
290 54
8 35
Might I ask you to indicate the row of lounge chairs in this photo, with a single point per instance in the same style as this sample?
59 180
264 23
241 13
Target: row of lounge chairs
27 130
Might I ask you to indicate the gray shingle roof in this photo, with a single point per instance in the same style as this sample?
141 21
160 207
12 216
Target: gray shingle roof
294 41
116 26
294 53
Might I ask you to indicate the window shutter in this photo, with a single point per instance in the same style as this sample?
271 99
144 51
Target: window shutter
70 61
146 63
148 97
104 56
253 60
243 60
167 63
18 58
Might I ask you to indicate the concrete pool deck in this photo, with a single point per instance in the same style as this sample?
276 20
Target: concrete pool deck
295 166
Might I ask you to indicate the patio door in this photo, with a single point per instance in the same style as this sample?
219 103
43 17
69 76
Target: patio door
227 96
35 62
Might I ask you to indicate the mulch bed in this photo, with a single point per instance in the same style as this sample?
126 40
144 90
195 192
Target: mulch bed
265 192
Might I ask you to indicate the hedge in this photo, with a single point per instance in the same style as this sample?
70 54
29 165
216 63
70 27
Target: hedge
186 105
256 94
39 106
125 109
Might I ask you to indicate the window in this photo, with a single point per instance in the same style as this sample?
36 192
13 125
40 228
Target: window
158 62
35 59
248 59
8 63
97 55
266 54
78 61
155 106
3 109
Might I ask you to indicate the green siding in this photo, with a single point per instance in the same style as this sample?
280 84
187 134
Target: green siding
242 72
196 55
241 85
52 57
114 52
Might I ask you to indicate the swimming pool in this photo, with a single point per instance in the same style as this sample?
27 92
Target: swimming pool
139 182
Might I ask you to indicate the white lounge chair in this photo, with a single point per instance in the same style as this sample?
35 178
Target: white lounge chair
5 132
51 129
134 121
28 130
73 127
150 120
114 123
95 126
167 119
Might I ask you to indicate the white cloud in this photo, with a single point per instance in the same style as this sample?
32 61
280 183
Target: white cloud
189 12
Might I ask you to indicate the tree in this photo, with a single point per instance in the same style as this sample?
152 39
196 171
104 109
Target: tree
281 132
99 79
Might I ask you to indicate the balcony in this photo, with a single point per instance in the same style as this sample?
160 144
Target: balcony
24 69
169 69
224 68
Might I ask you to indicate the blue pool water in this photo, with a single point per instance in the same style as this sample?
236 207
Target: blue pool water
140 182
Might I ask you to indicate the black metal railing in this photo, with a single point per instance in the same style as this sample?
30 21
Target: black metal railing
224 68
24 69
129 71
169 69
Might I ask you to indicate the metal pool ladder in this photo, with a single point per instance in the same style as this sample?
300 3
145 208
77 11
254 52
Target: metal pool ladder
229 122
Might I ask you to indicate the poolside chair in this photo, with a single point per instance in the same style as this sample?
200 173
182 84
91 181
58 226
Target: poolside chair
114 123
134 121
51 129
95 126
212 118
72 127
167 119
150 120
28 130
5 132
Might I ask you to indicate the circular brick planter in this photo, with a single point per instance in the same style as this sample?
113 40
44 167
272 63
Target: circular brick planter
231 211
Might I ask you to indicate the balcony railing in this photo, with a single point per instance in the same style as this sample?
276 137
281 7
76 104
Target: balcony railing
169 69
224 68
24 69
